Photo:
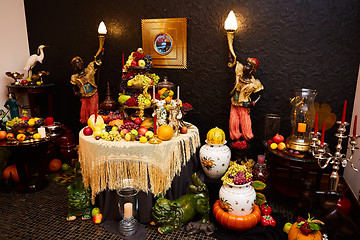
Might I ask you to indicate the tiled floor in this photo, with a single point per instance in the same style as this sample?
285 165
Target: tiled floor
41 215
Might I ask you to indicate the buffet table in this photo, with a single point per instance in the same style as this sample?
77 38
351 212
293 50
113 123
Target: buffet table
104 163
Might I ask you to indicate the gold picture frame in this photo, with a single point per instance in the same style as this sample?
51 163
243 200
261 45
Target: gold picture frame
166 41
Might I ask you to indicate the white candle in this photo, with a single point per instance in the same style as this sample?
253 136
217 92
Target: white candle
153 92
128 210
178 93
42 132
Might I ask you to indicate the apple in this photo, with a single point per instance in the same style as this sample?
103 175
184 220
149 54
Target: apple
2 135
123 132
141 63
97 218
134 63
138 121
38 83
287 227
24 82
269 142
134 132
95 211
278 138
147 102
142 131
10 136
128 136
183 130
21 137
87 131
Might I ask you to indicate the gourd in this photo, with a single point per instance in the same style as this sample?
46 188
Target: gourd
296 234
234 222
215 136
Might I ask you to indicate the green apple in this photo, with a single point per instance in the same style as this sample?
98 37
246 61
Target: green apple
287 227
134 132
141 63
38 83
114 128
95 211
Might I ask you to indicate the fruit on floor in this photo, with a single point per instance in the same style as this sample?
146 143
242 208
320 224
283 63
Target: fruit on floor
95 211
55 165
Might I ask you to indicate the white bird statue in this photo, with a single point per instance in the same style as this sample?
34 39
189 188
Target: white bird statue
33 59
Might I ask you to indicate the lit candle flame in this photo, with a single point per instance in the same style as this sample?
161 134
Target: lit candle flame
230 22
102 28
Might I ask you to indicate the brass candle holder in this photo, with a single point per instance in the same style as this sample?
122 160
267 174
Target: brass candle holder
325 158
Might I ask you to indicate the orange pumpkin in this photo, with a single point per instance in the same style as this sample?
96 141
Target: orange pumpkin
165 132
55 165
233 222
296 234
215 136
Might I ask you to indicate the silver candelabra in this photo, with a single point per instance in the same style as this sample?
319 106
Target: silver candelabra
321 153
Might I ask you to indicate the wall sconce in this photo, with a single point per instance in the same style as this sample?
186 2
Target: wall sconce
102 34
230 27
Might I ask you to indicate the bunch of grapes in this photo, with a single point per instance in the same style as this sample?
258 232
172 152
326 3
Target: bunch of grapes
113 136
240 178
142 99
185 108
16 122
155 78
129 125
114 115
148 62
233 170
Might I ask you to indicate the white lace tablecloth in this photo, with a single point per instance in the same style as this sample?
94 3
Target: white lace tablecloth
105 163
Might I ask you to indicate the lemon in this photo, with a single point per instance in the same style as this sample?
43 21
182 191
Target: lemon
37 136
31 122
143 139
273 146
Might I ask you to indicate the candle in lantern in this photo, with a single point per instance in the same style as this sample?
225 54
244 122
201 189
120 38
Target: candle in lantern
128 210
316 123
155 130
323 135
344 112
42 132
178 93
302 127
354 128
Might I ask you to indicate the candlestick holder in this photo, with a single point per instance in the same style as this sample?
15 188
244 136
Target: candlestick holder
127 190
320 152
155 140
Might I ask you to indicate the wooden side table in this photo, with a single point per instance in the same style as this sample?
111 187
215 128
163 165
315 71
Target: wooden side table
31 91
305 163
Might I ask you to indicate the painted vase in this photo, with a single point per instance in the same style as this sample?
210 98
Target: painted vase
215 159
237 199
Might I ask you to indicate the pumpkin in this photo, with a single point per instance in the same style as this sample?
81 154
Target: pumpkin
237 223
116 122
296 234
215 136
11 170
55 165
165 132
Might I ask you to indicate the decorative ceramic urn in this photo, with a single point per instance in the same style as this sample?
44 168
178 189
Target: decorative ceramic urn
215 159
237 199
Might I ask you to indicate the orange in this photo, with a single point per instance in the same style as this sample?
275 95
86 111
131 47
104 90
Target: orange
55 165
281 146
165 132
2 135
10 136
161 91
168 99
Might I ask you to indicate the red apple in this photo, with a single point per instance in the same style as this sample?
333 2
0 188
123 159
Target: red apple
138 121
123 132
269 142
183 130
134 63
278 138
142 131
87 131
97 218
10 136
24 82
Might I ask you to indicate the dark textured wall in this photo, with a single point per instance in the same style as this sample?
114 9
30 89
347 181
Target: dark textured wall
299 43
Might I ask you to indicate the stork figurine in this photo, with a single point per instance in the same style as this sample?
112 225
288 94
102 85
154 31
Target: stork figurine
33 59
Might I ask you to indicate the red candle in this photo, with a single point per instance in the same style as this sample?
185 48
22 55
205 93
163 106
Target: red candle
344 112
155 125
354 128
123 59
323 135
316 123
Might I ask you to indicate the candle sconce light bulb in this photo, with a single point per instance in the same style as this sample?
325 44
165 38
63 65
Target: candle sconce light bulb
230 22
102 28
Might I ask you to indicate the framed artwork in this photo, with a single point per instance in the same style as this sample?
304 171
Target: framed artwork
165 40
